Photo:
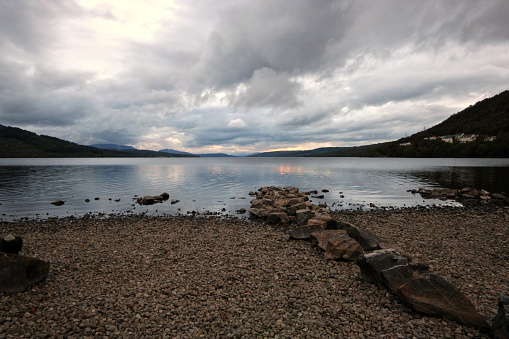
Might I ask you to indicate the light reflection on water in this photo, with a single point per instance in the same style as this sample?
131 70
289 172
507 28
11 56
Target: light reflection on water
27 186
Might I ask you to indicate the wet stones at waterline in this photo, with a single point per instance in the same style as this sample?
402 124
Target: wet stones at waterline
272 202
466 195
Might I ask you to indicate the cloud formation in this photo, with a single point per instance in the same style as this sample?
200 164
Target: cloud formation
244 76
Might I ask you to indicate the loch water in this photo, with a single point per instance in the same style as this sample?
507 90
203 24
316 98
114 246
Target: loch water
222 185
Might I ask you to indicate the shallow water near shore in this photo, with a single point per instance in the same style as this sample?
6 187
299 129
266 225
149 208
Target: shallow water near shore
222 185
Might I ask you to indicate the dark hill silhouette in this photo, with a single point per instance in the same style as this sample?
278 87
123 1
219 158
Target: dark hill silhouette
18 143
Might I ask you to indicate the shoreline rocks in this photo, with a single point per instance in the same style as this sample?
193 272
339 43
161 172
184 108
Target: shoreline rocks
420 289
465 195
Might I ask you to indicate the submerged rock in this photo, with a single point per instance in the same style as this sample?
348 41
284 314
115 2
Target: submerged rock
150 200
58 202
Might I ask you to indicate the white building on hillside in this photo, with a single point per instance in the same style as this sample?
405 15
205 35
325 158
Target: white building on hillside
447 138
463 138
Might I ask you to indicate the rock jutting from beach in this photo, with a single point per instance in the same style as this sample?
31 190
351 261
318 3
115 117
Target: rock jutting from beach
419 289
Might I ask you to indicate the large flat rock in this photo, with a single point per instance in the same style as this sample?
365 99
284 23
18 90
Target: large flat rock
433 294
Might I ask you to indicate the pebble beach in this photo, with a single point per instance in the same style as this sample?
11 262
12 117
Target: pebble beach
197 276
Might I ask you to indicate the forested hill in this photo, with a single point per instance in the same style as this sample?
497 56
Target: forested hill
18 143
487 118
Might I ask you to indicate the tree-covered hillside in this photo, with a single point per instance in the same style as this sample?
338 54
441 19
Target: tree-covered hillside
18 143
487 118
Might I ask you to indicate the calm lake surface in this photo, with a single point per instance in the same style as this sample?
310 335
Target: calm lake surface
27 186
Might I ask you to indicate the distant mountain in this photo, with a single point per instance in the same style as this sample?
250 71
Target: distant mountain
18 143
203 155
114 147
319 152
216 155
172 151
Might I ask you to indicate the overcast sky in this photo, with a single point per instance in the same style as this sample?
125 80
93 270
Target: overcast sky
246 76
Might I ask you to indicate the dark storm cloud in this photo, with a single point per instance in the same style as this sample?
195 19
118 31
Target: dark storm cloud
268 89
38 96
285 36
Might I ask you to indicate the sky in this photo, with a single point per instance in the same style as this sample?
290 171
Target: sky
242 77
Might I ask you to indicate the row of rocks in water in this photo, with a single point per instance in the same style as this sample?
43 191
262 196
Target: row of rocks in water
380 263
145 200
19 272
465 195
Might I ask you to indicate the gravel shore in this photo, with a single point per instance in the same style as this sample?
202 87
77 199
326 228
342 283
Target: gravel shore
191 277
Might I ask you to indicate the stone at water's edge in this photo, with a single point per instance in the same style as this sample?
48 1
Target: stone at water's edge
303 216
11 244
304 232
433 294
292 210
343 247
277 217
259 212
501 320
18 272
